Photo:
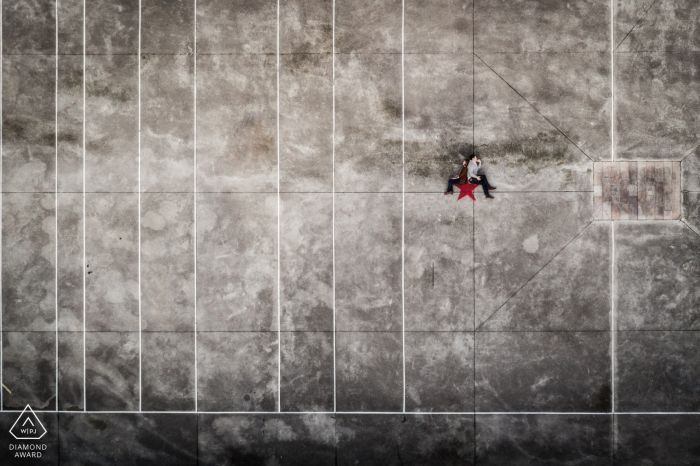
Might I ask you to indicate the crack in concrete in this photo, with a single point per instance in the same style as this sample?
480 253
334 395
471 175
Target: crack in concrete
689 153
533 276
635 25
535 108
689 227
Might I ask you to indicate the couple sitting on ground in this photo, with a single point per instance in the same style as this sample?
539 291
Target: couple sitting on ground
470 174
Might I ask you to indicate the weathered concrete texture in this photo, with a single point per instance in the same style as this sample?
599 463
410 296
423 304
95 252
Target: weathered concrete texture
438 264
368 108
28 124
657 26
236 143
267 439
167 123
167 262
368 262
112 27
70 371
571 90
29 262
543 439
657 439
226 381
306 368
439 119
133 439
369 371
306 26
306 122
111 117
111 262
571 292
658 371
306 261
542 26
28 27
368 26
70 123
521 149
404 439
167 27
657 279
112 371
690 169
691 211
657 100
443 26
167 371
439 371
29 369
236 262
70 26
518 234
69 270
241 26
543 371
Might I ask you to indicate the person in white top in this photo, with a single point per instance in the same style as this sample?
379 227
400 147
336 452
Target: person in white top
474 178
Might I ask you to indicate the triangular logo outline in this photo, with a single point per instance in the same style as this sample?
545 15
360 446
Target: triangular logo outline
36 418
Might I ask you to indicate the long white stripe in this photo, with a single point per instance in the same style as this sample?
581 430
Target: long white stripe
279 284
613 323
403 205
397 413
196 385
612 80
2 389
333 213
139 211
56 204
613 340
84 221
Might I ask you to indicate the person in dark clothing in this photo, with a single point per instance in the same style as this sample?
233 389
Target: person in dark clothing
474 178
459 177
469 173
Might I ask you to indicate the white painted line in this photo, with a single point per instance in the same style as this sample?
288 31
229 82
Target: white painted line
195 208
396 413
612 80
56 202
613 341
613 323
2 390
403 206
279 283
333 213
84 221
139 211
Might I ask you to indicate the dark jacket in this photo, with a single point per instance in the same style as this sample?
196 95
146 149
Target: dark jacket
463 175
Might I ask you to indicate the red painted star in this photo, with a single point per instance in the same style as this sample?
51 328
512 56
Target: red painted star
466 190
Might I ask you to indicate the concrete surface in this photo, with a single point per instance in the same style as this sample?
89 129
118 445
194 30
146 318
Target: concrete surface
224 238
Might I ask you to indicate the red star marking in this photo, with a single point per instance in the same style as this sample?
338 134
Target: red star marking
466 190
